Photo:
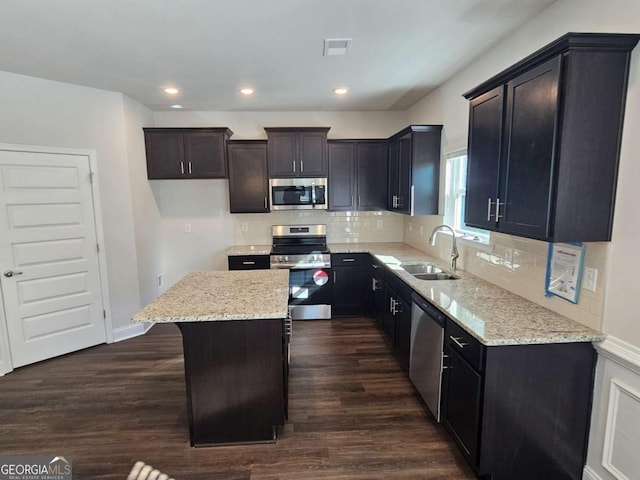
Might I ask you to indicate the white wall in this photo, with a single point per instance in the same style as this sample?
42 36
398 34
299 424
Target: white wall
618 261
34 111
204 204
146 214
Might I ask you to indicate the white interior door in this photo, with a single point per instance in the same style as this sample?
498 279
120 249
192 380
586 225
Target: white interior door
49 267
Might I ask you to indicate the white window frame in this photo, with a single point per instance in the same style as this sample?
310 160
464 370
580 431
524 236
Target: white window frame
455 196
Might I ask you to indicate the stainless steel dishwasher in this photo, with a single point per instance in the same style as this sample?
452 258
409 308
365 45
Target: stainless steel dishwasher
425 365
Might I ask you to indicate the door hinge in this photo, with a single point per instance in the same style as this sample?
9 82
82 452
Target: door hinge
98 247
104 314
90 177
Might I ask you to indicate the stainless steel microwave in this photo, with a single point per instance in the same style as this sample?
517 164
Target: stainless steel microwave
298 193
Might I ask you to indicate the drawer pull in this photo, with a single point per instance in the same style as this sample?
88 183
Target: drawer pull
248 263
457 341
348 259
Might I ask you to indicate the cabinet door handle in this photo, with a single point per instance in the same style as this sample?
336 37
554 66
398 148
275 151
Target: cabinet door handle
413 192
334 276
182 168
352 204
498 209
374 285
375 267
391 306
348 259
189 168
248 263
301 166
489 202
457 341
359 201
265 203
294 166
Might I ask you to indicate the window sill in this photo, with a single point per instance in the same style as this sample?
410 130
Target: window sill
480 242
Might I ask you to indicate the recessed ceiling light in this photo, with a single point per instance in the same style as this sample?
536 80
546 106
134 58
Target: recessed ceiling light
171 90
176 106
340 90
246 91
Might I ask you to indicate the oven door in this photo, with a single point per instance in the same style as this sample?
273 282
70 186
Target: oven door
298 193
310 293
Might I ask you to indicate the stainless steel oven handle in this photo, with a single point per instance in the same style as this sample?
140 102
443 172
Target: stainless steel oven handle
313 194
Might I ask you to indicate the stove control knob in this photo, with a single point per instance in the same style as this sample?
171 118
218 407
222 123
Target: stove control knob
283 259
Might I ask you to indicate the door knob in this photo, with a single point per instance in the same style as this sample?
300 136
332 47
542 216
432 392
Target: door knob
11 273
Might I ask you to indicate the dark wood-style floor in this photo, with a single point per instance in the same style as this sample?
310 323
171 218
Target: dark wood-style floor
353 413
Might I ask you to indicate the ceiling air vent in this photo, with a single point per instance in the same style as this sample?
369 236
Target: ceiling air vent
336 46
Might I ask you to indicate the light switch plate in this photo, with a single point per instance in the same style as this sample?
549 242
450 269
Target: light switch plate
244 227
187 228
590 278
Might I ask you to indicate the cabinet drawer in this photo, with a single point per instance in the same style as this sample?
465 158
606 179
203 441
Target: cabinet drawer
468 347
249 262
350 260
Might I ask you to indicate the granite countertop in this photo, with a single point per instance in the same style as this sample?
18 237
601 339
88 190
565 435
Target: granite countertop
249 250
491 314
225 295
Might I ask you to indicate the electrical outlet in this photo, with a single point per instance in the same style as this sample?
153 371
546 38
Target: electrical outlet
244 226
379 224
160 278
590 278
187 228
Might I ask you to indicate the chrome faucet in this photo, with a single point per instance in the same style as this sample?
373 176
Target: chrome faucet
454 246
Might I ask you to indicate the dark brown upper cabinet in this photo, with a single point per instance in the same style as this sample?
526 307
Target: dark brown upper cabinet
357 174
544 141
297 152
248 178
186 153
414 170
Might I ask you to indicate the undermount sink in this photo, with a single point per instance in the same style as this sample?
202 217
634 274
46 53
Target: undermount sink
414 268
427 271
435 276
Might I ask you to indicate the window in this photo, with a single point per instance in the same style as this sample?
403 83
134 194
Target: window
455 196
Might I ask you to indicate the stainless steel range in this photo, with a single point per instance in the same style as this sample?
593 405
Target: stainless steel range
303 250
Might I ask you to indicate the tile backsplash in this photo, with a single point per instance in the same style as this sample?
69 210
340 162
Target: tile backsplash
518 265
342 227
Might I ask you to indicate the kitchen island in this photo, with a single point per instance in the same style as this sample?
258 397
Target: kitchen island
235 341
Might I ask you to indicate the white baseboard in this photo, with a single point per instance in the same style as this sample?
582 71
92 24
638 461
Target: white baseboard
589 474
130 331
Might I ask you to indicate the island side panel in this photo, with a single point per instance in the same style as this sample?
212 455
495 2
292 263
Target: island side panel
234 380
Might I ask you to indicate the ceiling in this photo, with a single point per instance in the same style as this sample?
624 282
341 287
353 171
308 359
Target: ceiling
209 49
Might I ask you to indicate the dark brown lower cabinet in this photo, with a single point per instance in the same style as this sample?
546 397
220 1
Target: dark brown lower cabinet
249 262
232 398
350 273
518 411
376 292
396 320
462 415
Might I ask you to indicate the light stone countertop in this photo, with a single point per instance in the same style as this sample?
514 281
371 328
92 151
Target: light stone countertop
491 314
249 250
224 295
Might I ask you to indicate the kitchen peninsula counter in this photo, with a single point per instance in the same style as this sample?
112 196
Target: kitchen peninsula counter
235 339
